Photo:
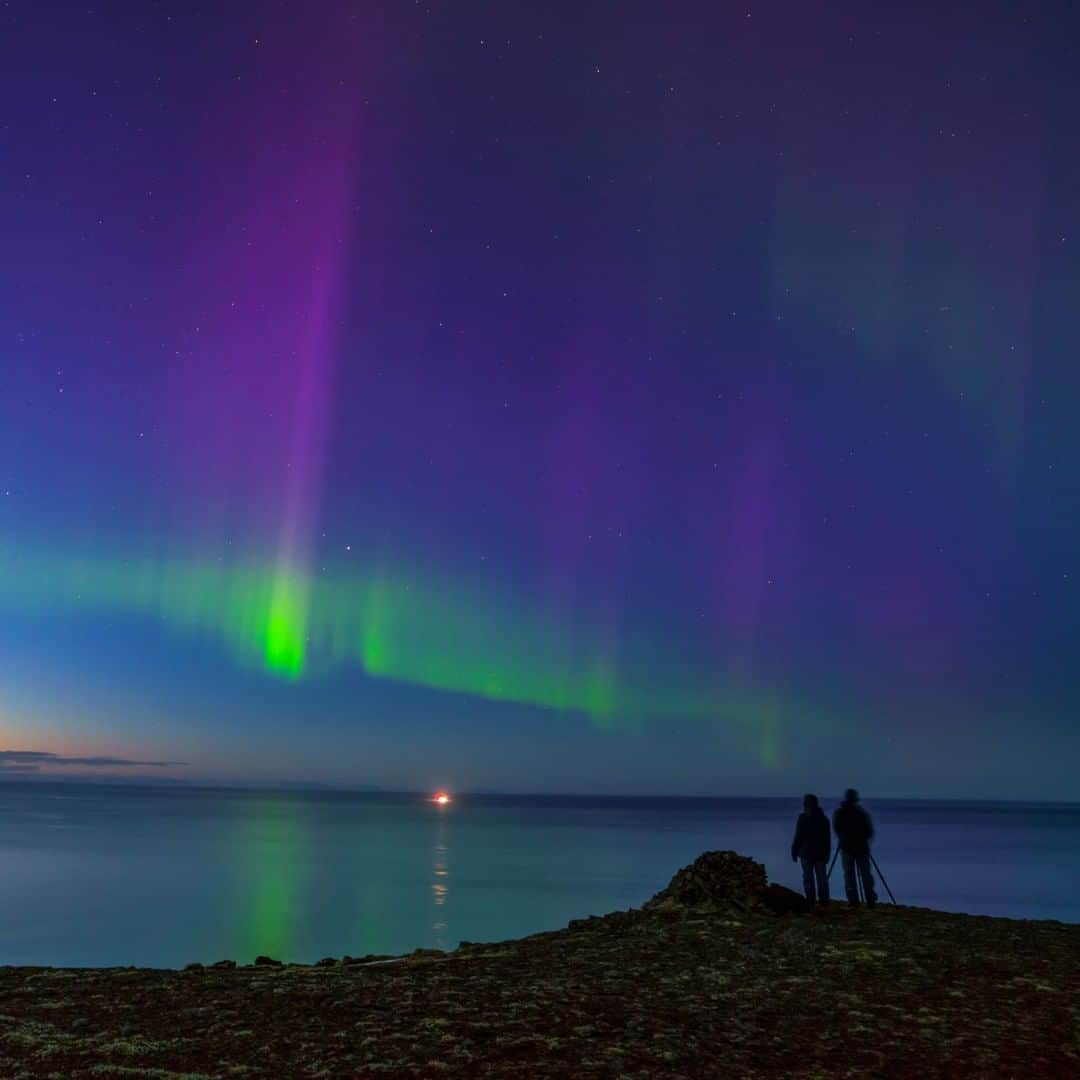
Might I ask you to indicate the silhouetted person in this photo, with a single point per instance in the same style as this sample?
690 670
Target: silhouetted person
854 831
812 847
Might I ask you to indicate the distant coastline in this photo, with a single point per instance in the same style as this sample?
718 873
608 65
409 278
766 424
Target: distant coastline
284 787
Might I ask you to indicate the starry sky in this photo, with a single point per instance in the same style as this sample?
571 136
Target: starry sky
607 397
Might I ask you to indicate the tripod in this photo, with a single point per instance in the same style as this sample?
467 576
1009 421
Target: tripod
858 876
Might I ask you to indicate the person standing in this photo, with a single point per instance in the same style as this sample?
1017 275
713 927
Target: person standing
812 846
854 830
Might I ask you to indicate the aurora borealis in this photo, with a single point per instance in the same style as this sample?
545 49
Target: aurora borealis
550 398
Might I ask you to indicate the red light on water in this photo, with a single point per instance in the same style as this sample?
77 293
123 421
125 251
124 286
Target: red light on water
441 798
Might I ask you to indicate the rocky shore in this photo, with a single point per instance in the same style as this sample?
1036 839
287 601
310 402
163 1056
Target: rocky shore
718 975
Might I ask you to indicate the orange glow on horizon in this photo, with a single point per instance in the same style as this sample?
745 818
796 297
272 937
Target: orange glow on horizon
440 798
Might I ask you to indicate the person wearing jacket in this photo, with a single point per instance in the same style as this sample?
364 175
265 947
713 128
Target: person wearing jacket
812 847
854 830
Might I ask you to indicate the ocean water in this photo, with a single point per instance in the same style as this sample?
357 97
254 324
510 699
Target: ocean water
98 875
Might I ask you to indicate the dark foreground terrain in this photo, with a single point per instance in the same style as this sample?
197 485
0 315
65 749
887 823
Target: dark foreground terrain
707 980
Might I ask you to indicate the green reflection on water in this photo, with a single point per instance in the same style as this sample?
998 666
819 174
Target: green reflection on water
273 836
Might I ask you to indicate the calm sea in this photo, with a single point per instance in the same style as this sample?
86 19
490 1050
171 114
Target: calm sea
95 875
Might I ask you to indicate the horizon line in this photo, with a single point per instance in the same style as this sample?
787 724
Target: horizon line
285 787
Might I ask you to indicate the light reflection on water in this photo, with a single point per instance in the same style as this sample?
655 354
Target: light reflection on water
440 886
93 875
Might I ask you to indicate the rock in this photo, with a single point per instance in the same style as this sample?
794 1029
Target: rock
326 961
224 965
717 877
617 920
195 967
783 901
267 961
426 954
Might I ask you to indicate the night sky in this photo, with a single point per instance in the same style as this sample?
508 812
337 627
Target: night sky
592 397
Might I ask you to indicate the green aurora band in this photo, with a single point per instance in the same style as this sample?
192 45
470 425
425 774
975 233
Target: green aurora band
394 623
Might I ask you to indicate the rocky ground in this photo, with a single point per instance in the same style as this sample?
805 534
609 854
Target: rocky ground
707 980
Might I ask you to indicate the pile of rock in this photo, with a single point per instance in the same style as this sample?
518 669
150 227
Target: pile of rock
725 879
717 877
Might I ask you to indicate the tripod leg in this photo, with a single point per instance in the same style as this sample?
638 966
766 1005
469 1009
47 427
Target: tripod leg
836 855
882 876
